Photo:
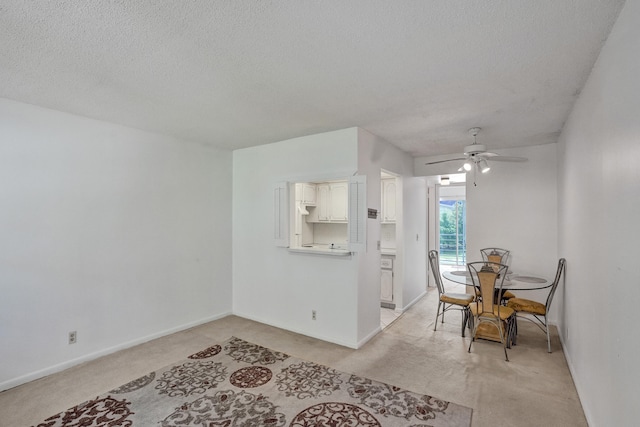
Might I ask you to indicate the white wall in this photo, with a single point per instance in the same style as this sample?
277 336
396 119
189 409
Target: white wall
118 234
599 197
335 233
415 240
271 284
514 206
376 154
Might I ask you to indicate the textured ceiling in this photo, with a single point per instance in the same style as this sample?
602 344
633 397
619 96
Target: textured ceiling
240 73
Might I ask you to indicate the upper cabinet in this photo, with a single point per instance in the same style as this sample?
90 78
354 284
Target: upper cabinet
389 200
309 194
331 202
322 203
339 201
306 193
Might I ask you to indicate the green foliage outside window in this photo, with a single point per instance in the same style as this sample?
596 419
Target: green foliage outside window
448 218
452 232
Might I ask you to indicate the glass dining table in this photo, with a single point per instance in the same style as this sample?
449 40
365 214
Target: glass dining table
513 282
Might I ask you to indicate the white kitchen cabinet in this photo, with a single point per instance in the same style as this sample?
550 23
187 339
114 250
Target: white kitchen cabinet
386 279
322 202
386 286
338 201
298 192
389 188
308 194
332 202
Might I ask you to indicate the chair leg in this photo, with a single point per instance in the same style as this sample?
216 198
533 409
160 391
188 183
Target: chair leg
472 325
465 319
512 331
435 325
507 334
503 337
546 326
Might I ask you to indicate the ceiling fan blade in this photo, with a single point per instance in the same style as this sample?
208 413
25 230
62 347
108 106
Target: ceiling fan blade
500 158
507 159
444 161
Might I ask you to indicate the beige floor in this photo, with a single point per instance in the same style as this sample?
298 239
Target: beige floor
533 389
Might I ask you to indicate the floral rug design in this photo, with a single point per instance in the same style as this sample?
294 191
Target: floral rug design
238 383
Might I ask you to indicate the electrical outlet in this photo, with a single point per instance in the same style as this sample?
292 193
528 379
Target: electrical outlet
73 337
313 315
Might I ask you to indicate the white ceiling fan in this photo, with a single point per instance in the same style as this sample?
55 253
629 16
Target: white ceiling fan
477 157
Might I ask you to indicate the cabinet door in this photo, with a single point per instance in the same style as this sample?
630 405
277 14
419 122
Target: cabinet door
389 200
386 285
322 202
298 192
309 194
338 194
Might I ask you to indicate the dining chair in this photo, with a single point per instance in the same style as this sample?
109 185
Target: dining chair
448 300
498 256
488 277
535 311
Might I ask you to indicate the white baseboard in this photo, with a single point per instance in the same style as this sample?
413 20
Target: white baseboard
415 300
14 382
368 337
288 327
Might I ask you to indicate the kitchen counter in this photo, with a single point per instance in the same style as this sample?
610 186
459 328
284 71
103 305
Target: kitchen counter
322 249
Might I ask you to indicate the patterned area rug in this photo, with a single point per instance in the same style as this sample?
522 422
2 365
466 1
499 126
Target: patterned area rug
242 384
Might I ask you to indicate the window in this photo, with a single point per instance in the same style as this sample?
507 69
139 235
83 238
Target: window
453 231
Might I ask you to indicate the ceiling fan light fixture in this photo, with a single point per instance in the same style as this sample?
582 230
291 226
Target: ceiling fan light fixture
484 166
476 156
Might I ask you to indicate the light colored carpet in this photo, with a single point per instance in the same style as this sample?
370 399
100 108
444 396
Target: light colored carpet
238 383
534 388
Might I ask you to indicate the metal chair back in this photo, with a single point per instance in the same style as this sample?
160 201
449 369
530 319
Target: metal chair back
561 265
487 277
434 262
495 255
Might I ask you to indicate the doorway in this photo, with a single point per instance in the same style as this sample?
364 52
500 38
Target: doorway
447 222
390 216
452 225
